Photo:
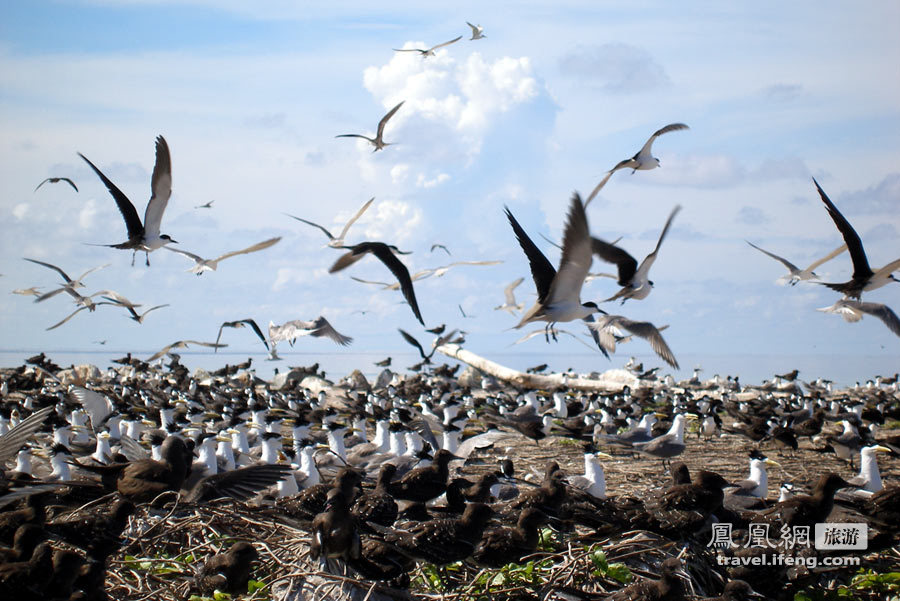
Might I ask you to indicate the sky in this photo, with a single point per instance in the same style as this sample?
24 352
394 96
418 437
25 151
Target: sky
250 97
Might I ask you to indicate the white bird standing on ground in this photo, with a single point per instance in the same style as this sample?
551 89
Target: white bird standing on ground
559 292
795 273
337 241
477 31
144 236
378 141
430 51
642 161
635 280
201 264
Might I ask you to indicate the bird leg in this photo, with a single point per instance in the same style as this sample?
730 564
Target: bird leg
133 253
147 256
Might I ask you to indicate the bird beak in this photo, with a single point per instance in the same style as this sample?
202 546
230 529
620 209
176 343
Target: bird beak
883 449
690 416
660 415
602 455
771 462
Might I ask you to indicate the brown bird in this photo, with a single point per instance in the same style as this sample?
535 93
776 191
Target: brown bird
500 546
66 568
25 541
26 580
333 531
443 540
808 510
229 571
56 180
378 506
667 588
736 590
425 483
311 501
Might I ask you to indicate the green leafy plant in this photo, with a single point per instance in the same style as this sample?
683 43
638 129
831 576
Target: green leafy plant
616 571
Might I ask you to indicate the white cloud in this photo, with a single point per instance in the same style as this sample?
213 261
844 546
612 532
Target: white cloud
616 68
422 180
20 210
399 173
86 215
393 220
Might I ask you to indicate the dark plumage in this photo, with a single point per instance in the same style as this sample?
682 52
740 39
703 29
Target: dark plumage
424 483
667 588
808 510
229 571
500 546
378 506
333 531
444 540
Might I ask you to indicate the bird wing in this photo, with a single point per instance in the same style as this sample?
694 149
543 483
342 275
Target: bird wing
509 294
576 255
456 39
385 119
644 268
356 216
882 312
594 334
371 140
646 149
433 246
250 249
98 406
412 341
196 258
421 426
144 314
327 233
650 333
626 264
126 208
791 267
386 256
160 187
861 269
13 439
70 316
603 181
42 297
347 259
887 269
242 483
70 182
849 313
385 285
56 269
115 297
321 327
542 271
132 449
42 183
829 257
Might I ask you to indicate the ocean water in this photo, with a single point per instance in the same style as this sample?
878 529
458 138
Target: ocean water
752 369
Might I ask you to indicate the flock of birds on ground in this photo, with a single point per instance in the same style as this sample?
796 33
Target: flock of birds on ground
369 471
386 475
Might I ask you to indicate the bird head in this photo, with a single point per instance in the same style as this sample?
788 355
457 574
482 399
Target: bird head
168 239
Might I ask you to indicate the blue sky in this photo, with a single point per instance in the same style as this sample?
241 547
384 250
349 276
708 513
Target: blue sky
251 95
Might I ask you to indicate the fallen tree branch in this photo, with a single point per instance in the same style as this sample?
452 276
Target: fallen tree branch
613 380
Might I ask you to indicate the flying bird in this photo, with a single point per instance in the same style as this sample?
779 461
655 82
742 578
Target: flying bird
634 279
609 328
477 31
429 51
337 242
317 328
33 291
642 161
139 317
70 284
449 337
559 292
385 254
240 323
56 180
863 278
91 307
144 236
378 141
795 273
511 306
434 246
207 205
201 264
852 311
183 344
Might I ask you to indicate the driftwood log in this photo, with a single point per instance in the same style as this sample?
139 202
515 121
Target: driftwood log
613 380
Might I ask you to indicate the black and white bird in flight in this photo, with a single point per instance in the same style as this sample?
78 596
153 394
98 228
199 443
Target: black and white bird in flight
853 311
795 274
317 328
337 241
559 292
863 279
611 329
386 254
56 180
201 264
634 279
429 51
144 235
240 323
448 337
139 317
641 161
378 141
477 31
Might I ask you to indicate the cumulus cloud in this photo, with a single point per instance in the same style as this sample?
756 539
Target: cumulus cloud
463 96
614 68
87 214
883 197
20 210
422 181
399 173
391 219
782 92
